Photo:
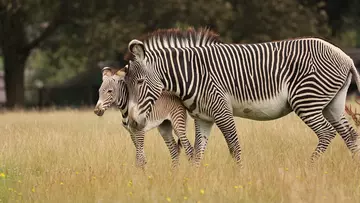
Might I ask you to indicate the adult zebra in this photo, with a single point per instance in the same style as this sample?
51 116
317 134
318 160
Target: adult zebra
261 81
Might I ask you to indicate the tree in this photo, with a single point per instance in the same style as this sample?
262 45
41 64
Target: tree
342 14
69 35
103 34
17 19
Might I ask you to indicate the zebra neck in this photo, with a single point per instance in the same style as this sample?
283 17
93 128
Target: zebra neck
176 71
122 103
125 115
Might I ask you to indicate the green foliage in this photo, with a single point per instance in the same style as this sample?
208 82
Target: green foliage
67 37
54 68
258 21
100 30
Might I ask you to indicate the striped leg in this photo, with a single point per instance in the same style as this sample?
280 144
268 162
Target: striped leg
325 132
138 139
165 129
334 113
133 139
179 118
309 101
180 131
323 129
202 133
348 134
225 122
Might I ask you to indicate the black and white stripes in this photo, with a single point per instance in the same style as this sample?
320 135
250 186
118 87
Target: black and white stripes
264 81
168 115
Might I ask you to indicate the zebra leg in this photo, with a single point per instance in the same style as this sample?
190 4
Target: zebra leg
334 113
348 134
322 128
138 140
309 101
202 133
165 130
179 126
225 122
133 139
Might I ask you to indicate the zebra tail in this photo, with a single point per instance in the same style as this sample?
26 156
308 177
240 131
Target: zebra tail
356 76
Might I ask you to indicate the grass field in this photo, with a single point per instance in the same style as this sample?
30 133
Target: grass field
75 156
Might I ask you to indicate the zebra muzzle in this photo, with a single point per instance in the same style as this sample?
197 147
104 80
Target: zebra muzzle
99 111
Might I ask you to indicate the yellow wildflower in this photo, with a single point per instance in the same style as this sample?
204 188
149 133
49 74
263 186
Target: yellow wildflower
130 183
202 191
61 183
33 189
19 181
168 199
206 165
77 172
185 198
150 177
94 177
286 169
130 193
2 175
325 172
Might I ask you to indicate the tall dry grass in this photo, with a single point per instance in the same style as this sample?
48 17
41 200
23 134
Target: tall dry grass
75 156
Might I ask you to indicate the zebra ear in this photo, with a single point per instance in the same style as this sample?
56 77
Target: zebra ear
107 71
137 48
120 72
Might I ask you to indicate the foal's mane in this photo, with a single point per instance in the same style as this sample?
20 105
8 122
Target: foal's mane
177 38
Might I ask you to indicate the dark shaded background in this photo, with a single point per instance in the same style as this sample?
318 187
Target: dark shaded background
50 49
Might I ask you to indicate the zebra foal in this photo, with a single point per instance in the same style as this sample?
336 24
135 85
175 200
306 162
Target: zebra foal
168 114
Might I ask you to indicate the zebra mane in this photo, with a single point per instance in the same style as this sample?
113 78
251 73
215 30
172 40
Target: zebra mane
177 38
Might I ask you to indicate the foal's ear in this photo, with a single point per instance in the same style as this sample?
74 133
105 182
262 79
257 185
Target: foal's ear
108 71
137 48
121 72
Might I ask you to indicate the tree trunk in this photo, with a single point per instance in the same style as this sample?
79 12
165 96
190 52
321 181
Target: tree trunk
13 42
14 66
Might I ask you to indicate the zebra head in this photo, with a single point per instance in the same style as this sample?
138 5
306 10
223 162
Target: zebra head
143 83
110 91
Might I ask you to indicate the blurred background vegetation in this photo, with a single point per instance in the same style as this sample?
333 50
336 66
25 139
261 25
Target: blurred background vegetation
50 42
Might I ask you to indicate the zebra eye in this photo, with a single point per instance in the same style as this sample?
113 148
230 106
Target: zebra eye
109 91
140 81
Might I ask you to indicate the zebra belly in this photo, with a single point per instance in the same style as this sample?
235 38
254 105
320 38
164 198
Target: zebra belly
150 124
270 109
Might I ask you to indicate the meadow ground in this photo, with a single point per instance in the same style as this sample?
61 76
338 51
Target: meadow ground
75 156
